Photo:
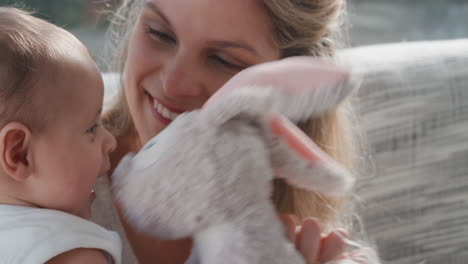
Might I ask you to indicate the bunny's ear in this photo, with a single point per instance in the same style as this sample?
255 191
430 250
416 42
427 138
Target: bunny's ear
299 161
298 88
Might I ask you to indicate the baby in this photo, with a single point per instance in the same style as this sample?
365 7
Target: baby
52 145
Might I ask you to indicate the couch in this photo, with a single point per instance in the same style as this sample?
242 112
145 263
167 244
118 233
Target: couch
414 108
413 105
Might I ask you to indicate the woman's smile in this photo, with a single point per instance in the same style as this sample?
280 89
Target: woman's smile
162 111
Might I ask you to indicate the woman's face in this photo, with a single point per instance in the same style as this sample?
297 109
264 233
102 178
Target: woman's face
182 51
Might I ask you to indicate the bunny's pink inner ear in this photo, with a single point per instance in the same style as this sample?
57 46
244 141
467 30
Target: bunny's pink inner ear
295 75
294 137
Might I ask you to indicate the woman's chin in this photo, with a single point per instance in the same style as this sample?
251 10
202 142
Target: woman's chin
150 133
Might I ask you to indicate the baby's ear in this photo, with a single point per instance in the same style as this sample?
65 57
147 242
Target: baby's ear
300 162
15 142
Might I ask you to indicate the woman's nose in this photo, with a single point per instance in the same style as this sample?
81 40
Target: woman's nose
179 79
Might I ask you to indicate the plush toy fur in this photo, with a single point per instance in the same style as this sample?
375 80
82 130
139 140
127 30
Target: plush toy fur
209 173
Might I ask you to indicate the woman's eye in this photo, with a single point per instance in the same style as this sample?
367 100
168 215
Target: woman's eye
92 129
159 35
227 64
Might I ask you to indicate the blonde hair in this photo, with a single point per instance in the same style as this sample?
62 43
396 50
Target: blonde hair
28 49
301 27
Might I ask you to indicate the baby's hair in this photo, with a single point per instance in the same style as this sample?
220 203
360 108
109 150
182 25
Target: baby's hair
30 51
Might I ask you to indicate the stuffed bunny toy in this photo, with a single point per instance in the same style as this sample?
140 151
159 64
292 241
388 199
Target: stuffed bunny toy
209 174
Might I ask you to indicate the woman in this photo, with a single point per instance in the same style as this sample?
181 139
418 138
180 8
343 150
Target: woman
174 54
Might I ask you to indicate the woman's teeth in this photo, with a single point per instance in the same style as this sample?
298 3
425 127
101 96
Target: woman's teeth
166 113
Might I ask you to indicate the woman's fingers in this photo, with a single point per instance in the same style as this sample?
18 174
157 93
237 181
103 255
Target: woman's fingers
333 246
309 240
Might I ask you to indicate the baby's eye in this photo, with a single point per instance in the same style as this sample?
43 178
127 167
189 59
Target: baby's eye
92 129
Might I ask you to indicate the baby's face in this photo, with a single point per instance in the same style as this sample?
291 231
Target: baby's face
74 148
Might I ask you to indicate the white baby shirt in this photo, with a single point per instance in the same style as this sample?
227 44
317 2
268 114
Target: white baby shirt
34 236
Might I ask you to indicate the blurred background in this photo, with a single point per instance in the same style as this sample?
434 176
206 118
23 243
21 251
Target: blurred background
371 21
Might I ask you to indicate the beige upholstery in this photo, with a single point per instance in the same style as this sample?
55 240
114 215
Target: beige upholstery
414 105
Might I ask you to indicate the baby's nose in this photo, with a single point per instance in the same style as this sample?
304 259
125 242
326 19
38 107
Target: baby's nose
110 142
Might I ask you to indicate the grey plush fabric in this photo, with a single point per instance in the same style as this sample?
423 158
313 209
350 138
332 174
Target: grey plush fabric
414 106
209 174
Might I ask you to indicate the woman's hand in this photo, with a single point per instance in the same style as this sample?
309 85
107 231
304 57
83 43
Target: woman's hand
314 246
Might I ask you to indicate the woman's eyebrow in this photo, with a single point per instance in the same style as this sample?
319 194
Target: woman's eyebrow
153 7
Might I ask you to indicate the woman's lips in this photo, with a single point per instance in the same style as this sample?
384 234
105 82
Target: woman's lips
162 112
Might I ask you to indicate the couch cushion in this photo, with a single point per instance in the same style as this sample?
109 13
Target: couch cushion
414 107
